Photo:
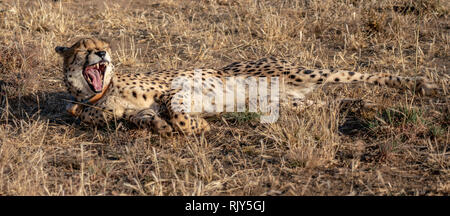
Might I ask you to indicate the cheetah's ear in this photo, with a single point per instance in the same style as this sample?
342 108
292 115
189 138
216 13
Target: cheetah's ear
61 50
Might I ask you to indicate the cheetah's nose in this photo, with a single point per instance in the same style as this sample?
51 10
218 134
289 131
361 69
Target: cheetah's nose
101 54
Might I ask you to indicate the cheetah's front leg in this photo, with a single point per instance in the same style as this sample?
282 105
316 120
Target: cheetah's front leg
91 114
95 115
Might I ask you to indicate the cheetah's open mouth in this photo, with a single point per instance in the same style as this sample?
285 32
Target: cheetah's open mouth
94 74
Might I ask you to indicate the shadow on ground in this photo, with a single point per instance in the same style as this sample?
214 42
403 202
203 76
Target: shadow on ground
39 105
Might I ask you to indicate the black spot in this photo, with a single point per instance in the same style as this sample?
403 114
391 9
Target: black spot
319 81
299 80
286 72
325 75
351 73
182 123
308 71
134 94
313 75
336 79
251 70
144 96
270 72
292 76
376 82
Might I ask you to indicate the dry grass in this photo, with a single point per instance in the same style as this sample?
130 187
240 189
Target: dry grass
401 149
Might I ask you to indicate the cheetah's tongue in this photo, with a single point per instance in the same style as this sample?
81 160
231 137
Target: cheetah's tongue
96 79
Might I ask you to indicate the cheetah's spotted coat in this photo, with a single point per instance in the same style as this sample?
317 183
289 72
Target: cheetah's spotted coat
146 99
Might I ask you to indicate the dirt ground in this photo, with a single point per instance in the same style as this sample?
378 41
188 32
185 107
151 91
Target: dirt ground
399 149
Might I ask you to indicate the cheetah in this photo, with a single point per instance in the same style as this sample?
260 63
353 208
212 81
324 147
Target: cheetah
149 99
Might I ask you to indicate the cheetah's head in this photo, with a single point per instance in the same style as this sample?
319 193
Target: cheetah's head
87 67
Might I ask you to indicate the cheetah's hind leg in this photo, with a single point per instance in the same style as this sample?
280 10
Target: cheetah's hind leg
149 118
300 104
179 119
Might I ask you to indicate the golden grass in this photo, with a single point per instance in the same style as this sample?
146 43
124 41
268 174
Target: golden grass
401 149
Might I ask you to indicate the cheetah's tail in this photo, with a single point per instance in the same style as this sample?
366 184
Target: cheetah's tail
419 85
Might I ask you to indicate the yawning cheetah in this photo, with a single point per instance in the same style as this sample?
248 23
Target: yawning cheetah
149 99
